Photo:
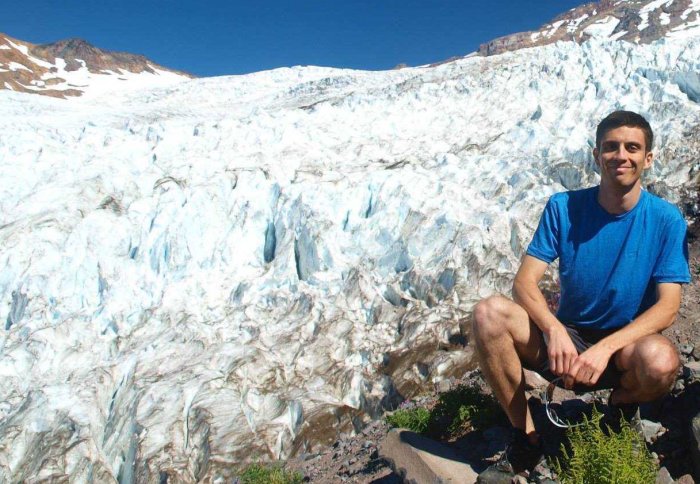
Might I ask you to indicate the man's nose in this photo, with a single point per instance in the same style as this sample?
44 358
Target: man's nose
621 152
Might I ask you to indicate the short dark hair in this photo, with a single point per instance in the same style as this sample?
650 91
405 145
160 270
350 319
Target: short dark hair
617 119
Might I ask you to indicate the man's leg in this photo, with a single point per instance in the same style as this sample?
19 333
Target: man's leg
505 337
649 367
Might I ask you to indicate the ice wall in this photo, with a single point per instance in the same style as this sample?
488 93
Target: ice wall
244 266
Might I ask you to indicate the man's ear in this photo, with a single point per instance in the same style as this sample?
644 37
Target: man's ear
595 155
648 160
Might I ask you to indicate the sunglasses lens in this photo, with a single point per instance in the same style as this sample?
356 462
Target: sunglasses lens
551 413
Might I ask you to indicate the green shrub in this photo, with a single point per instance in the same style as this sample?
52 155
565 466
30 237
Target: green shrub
269 474
454 413
596 457
466 408
416 419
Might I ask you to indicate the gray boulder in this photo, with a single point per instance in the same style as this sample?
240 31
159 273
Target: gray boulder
420 460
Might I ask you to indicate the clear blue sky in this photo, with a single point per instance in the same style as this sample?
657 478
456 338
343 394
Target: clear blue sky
216 37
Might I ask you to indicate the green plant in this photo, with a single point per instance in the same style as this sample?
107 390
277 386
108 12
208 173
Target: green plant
594 456
454 413
268 474
416 419
465 408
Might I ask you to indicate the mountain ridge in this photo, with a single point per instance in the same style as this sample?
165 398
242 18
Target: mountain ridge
69 67
637 21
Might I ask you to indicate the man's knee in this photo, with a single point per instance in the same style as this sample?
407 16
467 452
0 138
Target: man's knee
657 362
489 318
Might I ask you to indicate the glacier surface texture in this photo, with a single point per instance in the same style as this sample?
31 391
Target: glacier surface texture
233 268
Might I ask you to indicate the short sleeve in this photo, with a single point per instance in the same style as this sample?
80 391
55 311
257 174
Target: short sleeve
545 241
672 262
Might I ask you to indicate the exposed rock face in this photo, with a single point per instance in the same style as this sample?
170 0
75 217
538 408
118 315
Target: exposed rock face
72 67
77 52
639 21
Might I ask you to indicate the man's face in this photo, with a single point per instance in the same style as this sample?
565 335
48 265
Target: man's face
622 157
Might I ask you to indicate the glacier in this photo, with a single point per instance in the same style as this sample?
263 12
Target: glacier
235 268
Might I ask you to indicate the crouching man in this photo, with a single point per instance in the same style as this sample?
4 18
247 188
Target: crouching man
622 259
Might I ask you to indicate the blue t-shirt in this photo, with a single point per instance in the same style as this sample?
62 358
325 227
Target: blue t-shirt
609 265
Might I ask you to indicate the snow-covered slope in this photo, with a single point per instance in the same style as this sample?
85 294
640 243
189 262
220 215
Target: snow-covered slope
638 21
75 68
242 267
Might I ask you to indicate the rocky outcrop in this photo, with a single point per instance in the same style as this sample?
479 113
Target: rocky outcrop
69 67
639 21
77 54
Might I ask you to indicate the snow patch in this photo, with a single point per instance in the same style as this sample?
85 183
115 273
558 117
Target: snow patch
664 18
648 8
618 35
22 48
687 31
5 47
553 28
603 27
694 6
15 66
96 84
573 25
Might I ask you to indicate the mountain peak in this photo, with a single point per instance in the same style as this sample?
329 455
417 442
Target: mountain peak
70 67
71 47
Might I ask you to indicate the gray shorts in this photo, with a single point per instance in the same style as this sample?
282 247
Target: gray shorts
584 338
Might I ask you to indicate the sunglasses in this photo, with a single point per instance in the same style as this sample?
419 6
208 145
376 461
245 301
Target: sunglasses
548 397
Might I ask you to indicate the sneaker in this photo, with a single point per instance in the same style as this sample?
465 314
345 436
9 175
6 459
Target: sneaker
618 411
520 455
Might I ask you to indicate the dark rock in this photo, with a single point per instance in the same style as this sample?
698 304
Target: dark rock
695 443
691 370
493 476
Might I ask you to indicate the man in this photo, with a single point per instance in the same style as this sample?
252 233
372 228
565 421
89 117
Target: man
622 259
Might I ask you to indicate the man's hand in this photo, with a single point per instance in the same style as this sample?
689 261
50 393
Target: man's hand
588 366
560 350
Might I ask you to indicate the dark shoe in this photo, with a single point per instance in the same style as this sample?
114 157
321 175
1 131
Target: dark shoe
520 455
617 411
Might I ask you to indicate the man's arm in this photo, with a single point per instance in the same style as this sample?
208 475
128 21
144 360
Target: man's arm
591 363
526 292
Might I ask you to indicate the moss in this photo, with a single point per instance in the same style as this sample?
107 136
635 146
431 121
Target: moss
268 474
